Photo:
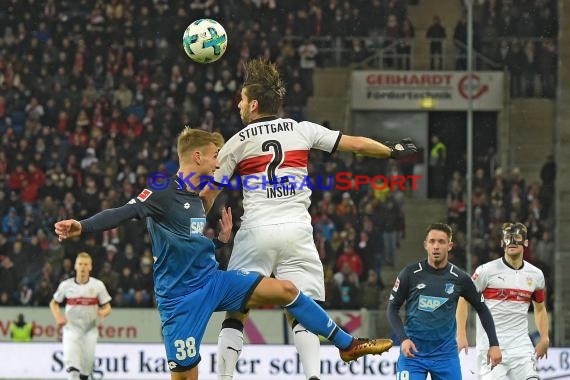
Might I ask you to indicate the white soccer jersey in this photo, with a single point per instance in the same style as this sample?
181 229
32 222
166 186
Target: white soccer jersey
82 302
270 156
508 293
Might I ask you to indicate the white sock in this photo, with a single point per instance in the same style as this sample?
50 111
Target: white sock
73 375
230 343
308 346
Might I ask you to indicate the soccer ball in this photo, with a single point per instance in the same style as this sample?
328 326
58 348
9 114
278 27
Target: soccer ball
205 41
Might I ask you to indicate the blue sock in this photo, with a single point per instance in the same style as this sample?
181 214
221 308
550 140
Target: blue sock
317 321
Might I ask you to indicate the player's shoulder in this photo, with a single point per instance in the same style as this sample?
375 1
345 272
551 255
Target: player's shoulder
532 268
413 268
165 189
491 266
67 282
456 271
96 282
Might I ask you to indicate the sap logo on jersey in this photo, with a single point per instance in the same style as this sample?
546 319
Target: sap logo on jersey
197 225
431 304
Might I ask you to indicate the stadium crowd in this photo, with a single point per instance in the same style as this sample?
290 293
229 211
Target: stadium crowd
92 96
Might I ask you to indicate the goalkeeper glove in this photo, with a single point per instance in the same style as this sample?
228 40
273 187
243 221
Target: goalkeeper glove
405 147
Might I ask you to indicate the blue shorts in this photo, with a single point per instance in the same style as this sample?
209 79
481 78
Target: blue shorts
184 319
446 368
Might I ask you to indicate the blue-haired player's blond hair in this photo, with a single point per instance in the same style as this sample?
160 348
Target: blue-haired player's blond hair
190 139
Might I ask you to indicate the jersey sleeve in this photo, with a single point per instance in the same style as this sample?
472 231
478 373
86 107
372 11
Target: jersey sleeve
470 291
398 296
228 163
400 289
103 295
59 295
539 294
320 137
480 278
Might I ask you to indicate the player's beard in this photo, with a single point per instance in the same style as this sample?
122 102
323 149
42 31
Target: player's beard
245 116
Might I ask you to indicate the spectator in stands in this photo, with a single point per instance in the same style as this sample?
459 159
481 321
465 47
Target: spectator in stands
405 43
436 35
20 330
11 223
460 41
308 52
515 65
548 177
391 34
371 291
390 224
350 257
544 251
547 61
529 69
437 167
347 292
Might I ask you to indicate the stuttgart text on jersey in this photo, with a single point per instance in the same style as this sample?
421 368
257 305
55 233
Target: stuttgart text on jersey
254 130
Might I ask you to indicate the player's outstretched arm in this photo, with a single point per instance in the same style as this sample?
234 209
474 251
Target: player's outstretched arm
461 317
105 220
541 320
373 148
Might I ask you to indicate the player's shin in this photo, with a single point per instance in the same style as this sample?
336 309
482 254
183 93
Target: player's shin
230 343
316 320
308 346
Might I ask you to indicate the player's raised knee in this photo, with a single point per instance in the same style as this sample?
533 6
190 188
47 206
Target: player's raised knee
289 289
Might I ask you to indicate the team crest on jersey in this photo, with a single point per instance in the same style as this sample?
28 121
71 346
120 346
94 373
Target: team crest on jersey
529 281
449 288
144 195
396 285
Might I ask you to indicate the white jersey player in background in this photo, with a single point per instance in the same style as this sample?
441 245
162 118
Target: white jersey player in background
87 302
509 285
271 155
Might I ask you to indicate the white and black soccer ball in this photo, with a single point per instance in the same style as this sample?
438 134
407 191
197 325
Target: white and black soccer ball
205 40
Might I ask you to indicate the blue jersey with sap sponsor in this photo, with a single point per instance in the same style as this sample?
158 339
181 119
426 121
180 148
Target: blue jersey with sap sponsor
431 300
184 258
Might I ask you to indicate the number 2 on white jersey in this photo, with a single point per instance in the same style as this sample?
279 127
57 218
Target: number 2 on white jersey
275 161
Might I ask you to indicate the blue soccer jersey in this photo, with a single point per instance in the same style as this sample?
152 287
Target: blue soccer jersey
183 257
431 297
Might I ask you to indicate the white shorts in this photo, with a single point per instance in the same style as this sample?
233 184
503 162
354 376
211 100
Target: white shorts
287 250
511 367
79 349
